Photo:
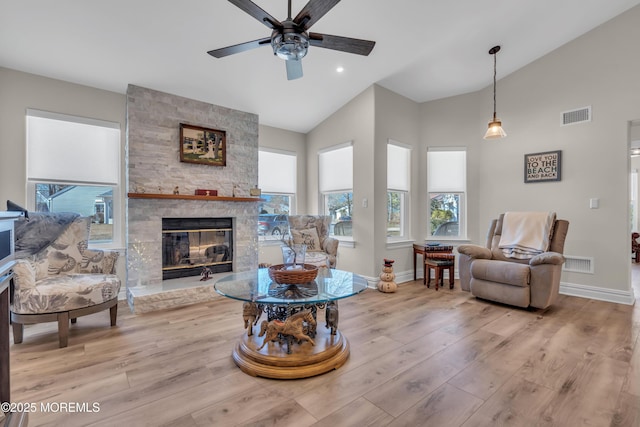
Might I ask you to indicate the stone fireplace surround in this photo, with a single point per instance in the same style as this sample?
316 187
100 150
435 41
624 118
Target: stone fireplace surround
153 166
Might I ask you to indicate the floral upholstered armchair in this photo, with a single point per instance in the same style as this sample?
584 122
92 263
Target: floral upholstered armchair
313 231
57 277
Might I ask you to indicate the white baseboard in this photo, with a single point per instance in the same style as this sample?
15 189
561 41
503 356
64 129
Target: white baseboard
601 294
372 282
402 277
571 289
406 276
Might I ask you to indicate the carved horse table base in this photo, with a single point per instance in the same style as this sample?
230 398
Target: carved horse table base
310 350
300 326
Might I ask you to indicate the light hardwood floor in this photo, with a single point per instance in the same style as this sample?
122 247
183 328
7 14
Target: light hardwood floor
418 358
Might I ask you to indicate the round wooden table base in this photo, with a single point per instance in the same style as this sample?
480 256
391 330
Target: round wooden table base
272 361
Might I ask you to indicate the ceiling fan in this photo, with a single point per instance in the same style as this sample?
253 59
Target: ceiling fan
290 39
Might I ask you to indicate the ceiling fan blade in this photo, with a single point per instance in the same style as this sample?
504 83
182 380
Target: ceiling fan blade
230 50
313 11
256 11
294 69
344 44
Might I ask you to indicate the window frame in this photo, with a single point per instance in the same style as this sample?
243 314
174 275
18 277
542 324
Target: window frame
336 189
266 191
461 217
292 211
116 241
403 189
404 223
461 191
325 211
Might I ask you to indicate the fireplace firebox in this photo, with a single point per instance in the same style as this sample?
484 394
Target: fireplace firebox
191 244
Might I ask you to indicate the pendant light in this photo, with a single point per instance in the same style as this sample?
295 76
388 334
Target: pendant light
495 130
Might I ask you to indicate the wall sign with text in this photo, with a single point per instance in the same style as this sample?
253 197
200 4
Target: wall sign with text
539 167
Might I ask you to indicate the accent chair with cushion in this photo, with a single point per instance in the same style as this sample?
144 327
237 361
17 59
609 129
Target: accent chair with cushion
57 277
517 274
313 230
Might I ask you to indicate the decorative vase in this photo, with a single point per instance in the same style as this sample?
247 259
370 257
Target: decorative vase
293 255
386 283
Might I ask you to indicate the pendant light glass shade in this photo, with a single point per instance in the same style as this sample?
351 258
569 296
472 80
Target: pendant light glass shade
495 130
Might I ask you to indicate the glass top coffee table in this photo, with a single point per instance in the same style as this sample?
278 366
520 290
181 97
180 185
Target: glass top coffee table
288 342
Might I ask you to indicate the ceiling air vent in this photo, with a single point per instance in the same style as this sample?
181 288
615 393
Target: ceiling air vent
576 116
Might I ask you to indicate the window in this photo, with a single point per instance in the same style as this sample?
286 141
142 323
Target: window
277 180
73 165
446 185
398 179
336 187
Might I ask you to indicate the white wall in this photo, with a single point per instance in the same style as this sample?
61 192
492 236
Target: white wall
20 91
596 69
456 122
353 122
599 69
396 118
280 139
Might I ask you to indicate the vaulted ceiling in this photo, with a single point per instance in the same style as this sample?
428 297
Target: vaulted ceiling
425 49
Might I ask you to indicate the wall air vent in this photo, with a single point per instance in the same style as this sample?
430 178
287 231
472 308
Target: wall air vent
573 117
578 264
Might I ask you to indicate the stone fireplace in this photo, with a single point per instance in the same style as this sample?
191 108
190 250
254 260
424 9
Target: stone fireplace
153 172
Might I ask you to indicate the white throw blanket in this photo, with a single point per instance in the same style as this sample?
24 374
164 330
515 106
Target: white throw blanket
526 234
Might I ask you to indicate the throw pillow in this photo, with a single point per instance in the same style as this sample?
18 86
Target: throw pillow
308 237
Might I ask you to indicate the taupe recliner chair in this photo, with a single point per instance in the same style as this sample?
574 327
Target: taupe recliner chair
488 274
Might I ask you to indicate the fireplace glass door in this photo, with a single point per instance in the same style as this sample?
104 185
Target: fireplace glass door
189 245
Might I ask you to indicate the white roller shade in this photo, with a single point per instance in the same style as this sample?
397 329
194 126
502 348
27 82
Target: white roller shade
336 169
446 171
69 149
277 172
398 167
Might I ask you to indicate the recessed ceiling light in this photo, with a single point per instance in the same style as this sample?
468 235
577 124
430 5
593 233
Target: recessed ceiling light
340 69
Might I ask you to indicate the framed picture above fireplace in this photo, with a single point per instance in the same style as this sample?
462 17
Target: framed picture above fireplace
202 145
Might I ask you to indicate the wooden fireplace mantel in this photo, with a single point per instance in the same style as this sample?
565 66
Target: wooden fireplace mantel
193 197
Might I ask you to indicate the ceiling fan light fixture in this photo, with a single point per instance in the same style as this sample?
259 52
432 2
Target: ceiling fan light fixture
495 130
290 46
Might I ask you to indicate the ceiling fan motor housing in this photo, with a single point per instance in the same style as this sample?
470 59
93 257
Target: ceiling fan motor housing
289 43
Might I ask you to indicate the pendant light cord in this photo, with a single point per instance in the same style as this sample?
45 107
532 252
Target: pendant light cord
495 126
494 86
